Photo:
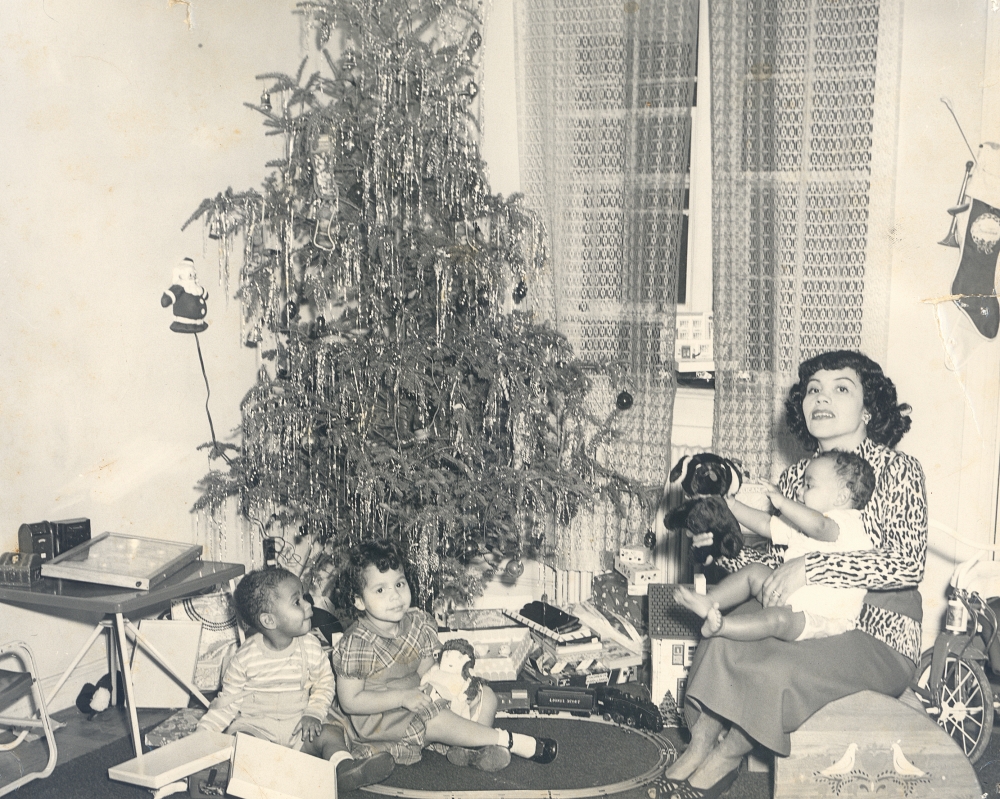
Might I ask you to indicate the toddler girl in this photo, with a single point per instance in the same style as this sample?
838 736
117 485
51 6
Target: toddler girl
379 663
279 685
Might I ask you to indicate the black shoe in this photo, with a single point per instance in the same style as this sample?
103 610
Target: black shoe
354 774
545 751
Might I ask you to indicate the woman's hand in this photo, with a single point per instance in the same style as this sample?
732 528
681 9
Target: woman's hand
784 581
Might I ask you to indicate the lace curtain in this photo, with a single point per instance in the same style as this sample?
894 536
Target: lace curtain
605 92
804 99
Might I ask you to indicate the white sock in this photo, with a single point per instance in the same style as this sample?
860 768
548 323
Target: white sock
340 756
520 745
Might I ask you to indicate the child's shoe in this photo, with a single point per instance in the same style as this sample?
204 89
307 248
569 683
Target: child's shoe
546 750
488 758
356 773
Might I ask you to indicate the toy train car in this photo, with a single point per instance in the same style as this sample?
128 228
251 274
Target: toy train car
516 697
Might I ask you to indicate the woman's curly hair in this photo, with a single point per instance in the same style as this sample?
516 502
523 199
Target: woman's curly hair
890 419
383 555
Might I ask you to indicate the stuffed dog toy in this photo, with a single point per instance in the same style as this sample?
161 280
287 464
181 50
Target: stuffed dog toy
706 479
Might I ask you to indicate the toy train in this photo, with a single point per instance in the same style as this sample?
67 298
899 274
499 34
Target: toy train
520 697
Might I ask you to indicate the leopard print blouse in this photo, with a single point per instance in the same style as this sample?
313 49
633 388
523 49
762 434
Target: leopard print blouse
896 520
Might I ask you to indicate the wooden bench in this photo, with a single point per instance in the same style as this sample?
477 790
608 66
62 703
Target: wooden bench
869 742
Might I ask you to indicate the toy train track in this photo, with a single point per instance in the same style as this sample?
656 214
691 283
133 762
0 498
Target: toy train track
536 699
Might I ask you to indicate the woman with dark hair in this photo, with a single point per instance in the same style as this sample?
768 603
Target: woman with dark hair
742 693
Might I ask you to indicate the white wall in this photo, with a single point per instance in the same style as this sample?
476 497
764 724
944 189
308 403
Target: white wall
954 411
118 120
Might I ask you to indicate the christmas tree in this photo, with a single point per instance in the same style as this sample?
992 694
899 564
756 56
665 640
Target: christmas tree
403 392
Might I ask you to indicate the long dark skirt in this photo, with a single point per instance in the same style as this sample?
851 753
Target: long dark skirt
769 688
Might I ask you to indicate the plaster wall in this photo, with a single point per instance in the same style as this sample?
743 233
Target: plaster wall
944 54
117 120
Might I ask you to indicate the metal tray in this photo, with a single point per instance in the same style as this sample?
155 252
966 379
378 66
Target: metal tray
122 560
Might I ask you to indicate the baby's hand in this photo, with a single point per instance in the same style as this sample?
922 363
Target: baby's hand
416 700
309 726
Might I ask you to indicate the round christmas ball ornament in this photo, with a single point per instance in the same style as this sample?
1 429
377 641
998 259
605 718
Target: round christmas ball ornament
471 549
462 301
520 290
291 310
514 568
475 40
624 401
649 539
319 328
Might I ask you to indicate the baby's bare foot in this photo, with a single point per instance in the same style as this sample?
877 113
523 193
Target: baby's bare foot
699 603
713 622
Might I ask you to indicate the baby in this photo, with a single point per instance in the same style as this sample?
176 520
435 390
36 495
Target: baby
828 519
279 685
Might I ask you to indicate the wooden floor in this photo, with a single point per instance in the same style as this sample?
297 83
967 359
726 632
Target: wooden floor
78 736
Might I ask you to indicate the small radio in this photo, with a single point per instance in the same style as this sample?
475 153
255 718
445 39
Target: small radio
37 537
70 533
49 539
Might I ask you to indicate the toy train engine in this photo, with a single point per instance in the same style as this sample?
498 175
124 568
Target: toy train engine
633 711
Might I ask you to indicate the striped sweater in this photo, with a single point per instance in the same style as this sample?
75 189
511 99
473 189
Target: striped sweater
257 669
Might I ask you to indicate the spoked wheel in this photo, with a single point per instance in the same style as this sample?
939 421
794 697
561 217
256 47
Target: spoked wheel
963 704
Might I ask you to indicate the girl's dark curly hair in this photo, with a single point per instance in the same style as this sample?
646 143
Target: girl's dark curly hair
383 555
890 420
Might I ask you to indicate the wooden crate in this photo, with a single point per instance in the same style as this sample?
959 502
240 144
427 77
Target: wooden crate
868 742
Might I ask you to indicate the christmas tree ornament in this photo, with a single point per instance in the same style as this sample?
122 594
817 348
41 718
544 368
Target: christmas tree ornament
475 40
514 568
623 401
649 539
483 297
188 298
265 100
471 90
462 301
520 291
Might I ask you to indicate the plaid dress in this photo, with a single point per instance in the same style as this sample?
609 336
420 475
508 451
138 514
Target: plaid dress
387 664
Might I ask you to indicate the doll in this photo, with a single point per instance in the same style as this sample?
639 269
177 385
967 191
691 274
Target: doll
188 298
451 677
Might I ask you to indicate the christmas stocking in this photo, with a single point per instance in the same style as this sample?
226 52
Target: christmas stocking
974 285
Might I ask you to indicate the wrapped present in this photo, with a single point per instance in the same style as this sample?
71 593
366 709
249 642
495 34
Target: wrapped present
610 596
179 725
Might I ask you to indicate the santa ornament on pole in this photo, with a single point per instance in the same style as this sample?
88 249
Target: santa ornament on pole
189 298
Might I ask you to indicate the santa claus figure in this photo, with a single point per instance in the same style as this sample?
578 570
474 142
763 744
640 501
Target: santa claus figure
188 298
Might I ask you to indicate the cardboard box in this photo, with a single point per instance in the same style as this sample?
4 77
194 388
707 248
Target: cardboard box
500 653
263 770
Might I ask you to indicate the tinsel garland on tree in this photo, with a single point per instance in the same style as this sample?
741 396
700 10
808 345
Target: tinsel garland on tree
403 394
